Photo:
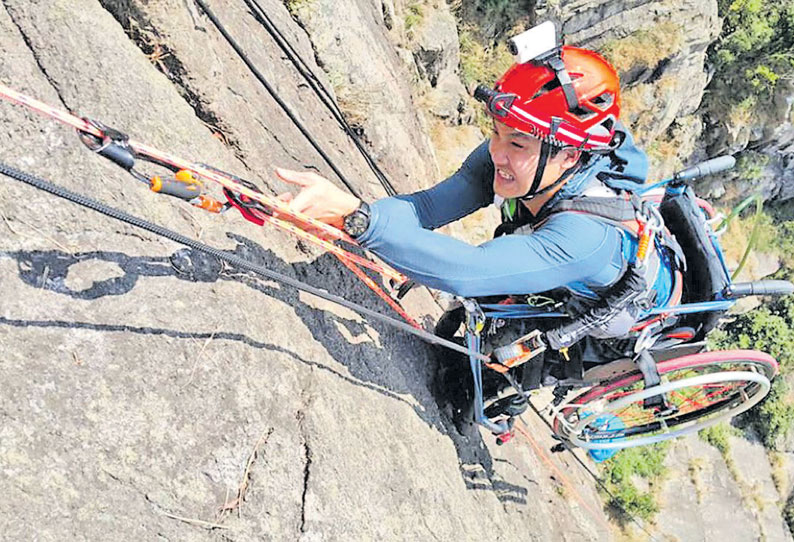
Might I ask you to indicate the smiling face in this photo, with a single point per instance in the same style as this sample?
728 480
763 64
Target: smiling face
515 156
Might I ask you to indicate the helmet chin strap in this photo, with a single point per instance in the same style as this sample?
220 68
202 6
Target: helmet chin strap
545 149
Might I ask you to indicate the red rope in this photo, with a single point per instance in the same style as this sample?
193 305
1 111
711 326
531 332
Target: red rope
351 261
563 479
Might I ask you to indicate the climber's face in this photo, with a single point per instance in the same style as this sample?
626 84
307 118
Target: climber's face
515 157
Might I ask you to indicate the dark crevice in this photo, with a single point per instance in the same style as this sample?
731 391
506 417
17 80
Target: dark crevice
307 463
33 52
642 74
144 35
302 26
659 70
275 137
306 466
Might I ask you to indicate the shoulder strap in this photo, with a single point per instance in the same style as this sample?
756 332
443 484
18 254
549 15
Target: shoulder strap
616 208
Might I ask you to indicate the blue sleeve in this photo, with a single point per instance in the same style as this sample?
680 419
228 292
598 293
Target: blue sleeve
568 248
468 190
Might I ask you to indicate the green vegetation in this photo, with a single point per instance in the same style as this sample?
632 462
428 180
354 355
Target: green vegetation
775 234
645 47
414 14
751 164
754 53
496 19
779 476
768 329
293 6
717 436
480 63
620 472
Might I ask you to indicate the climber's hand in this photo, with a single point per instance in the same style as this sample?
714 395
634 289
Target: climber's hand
318 198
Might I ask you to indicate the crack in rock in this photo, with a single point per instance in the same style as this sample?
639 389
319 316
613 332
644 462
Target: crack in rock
35 54
146 37
272 134
307 463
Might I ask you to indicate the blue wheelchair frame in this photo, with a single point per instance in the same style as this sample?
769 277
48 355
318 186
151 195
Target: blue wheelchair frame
476 316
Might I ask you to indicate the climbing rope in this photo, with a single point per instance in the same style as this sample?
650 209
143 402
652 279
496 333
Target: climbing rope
272 91
232 259
319 89
246 197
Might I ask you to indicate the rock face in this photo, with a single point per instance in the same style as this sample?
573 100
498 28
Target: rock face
152 393
770 164
659 48
676 36
703 500
146 389
375 88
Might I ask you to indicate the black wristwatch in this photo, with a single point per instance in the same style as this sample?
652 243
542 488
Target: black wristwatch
357 222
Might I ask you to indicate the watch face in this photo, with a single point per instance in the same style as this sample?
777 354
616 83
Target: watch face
356 224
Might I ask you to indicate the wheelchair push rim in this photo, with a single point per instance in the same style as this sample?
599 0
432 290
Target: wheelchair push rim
704 388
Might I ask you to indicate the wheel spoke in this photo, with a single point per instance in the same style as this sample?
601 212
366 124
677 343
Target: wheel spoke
721 390
700 389
686 399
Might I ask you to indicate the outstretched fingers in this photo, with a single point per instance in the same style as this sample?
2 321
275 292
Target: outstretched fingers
299 178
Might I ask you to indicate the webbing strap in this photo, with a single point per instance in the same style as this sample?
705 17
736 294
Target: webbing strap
556 64
233 259
545 150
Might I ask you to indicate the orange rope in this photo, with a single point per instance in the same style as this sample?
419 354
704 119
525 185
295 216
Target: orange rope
378 290
352 261
547 460
330 247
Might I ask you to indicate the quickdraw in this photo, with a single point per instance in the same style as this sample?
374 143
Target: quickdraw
187 185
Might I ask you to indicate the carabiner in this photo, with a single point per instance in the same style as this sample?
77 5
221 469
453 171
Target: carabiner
475 317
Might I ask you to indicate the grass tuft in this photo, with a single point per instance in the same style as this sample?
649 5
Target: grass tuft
619 473
645 47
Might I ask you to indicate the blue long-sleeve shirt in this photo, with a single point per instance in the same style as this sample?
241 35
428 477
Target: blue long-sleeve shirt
569 249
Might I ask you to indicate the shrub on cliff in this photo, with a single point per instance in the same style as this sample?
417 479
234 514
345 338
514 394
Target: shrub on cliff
753 54
621 474
769 329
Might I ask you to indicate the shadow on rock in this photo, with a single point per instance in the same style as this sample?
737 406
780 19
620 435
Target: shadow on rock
371 369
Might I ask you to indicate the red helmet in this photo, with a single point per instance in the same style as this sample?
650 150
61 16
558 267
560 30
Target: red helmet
575 101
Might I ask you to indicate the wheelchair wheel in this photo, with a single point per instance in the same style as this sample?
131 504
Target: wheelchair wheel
700 390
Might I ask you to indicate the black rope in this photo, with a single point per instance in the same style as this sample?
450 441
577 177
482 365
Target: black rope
275 96
589 471
261 16
234 260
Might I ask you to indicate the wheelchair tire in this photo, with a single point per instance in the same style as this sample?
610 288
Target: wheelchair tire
702 389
